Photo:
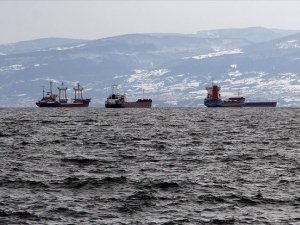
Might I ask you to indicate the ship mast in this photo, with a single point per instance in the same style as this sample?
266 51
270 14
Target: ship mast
51 87
113 88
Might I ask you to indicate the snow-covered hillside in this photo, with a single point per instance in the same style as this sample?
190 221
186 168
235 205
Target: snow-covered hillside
173 70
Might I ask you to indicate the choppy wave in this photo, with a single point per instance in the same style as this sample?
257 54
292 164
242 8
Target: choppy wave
150 166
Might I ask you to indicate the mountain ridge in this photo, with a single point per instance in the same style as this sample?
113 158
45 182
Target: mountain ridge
172 69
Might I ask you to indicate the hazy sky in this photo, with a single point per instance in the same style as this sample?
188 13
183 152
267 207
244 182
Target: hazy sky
25 20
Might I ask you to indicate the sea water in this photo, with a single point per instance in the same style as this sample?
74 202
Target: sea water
150 166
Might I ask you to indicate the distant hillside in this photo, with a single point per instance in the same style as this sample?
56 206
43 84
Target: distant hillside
36 45
253 34
172 69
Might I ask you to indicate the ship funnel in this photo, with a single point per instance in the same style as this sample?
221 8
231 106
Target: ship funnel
215 91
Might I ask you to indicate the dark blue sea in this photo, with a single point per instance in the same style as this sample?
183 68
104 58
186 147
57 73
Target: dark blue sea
150 166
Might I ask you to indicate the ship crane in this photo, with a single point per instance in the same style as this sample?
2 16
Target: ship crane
43 92
62 93
78 92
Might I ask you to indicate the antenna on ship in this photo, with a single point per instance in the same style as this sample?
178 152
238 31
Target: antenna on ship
106 92
43 92
113 88
51 87
272 96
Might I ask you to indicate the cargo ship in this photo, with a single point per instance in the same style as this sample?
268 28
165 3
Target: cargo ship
116 100
61 100
213 99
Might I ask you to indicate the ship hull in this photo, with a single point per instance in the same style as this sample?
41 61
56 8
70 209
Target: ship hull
84 103
137 104
48 104
114 106
236 104
219 103
260 104
130 105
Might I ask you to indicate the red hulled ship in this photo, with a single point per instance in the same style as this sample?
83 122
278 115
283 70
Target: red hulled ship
116 100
